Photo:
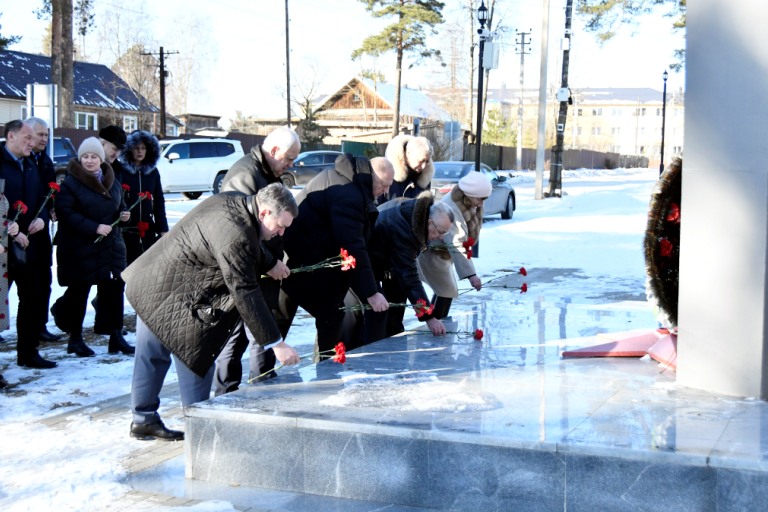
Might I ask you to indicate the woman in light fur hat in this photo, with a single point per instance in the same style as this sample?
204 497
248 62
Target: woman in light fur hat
412 159
466 201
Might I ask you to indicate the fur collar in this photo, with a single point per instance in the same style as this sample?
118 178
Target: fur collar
395 153
76 170
473 218
420 219
150 160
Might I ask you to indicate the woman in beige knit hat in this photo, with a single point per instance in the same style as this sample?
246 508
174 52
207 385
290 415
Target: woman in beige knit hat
90 249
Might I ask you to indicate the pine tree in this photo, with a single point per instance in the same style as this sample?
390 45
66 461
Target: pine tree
414 20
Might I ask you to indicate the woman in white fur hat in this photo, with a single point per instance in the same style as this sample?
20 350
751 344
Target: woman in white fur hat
466 201
90 250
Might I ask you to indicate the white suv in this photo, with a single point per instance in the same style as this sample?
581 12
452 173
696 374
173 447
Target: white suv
194 166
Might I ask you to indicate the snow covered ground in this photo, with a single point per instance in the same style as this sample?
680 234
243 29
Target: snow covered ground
596 229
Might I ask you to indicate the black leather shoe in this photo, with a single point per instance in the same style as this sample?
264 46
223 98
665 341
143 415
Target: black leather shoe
78 347
35 361
46 335
58 320
118 344
151 431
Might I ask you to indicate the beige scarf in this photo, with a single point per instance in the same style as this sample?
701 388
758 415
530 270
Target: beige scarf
474 219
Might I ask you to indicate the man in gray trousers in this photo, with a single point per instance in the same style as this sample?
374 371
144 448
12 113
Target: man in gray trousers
192 288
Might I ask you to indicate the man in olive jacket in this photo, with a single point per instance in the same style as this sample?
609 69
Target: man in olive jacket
191 289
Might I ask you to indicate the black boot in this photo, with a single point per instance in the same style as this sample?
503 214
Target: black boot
78 347
59 321
118 344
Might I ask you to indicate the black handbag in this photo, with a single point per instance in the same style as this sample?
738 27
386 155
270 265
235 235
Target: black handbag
17 256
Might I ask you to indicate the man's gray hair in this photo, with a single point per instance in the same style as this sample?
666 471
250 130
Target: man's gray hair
282 137
35 122
440 208
277 199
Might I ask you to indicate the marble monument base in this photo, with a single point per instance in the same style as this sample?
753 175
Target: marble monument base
504 424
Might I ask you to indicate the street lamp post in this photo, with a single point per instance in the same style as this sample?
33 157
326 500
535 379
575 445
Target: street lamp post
663 120
482 17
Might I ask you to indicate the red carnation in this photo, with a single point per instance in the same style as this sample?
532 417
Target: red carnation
142 227
665 247
341 353
20 207
126 187
523 271
54 186
478 334
524 288
674 213
422 308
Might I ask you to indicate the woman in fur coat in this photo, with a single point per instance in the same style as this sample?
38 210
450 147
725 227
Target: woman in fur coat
90 249
466 201
148 221
412 159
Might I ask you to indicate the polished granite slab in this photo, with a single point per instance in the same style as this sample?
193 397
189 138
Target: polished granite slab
449 423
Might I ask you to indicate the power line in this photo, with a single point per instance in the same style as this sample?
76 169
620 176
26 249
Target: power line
163 73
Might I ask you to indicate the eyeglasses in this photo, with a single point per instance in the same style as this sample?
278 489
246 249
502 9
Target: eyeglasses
440 233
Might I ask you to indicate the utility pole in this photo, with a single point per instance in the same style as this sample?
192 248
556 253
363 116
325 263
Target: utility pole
542 124
522 42
287 69
564 97
163 74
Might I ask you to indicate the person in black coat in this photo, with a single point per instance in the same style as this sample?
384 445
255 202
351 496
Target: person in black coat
401 233
139 173
334 217
113 140
25 185
45 169
192 288
261 167
412 158
90 250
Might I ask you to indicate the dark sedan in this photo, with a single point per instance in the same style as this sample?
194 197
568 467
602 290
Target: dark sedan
307 165
502 198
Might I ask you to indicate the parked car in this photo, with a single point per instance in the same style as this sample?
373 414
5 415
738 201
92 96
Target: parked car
63 152
194 166
502 199
307 165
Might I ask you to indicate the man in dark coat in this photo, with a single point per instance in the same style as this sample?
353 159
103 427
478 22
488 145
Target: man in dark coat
402 231
45 168
334 217
192 288
254 171
22 183
113 139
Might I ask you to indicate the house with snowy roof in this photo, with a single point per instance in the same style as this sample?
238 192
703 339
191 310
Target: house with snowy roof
363 111
101 97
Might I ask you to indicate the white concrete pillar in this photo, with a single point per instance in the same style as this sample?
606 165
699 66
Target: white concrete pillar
723 249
